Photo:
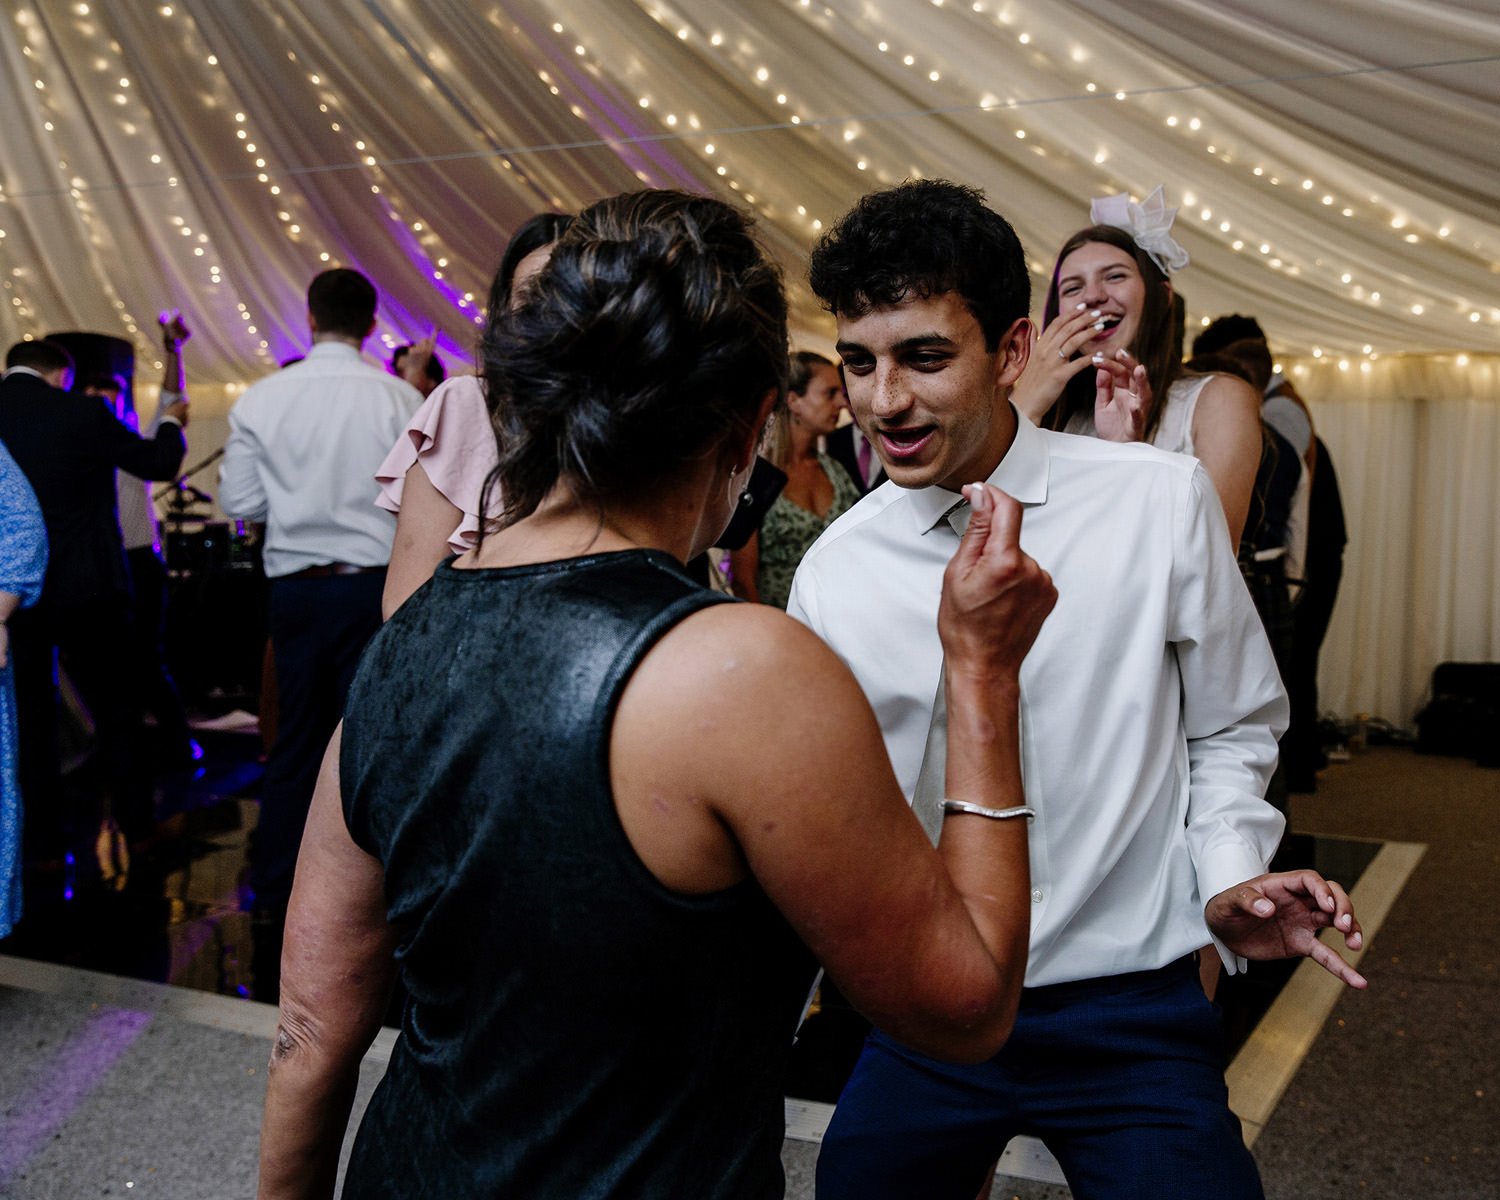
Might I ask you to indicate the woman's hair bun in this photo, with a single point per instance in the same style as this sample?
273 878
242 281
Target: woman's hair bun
651 336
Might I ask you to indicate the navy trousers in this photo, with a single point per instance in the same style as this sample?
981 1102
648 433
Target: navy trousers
319 628
1122 1078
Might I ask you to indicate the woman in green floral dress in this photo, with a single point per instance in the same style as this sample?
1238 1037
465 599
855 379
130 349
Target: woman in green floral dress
817 488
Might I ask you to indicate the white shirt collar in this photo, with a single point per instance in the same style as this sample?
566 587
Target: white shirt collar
332 349
1023 473
9 371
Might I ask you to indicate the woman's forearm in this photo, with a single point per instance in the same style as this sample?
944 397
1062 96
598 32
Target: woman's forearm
336 973
308 1099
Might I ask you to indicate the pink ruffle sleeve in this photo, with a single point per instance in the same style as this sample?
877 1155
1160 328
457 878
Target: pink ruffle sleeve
451 436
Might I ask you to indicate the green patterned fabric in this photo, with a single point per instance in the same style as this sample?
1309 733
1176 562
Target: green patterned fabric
789 529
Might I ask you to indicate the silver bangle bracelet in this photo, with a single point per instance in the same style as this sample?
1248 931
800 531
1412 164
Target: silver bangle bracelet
997 814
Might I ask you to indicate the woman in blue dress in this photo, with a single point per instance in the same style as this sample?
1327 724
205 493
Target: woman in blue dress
23 560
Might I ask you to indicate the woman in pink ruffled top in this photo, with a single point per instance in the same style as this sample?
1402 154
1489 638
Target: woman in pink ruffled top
434 475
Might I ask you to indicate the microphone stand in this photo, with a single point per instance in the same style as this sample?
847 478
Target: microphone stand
179 494
177 484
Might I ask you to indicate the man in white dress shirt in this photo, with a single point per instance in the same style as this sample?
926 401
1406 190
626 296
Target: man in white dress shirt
303 448
1149 707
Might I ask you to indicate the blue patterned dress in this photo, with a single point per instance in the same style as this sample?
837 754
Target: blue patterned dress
23 560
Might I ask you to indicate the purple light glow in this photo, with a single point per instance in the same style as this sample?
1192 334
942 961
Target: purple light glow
621 114
58 1087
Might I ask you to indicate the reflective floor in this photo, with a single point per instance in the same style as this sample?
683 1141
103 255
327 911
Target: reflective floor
177 909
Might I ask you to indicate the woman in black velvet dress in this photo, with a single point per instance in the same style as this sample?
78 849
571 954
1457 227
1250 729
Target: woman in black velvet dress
604 822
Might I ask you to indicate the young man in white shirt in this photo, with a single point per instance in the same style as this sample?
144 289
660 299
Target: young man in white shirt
303 448
1149 710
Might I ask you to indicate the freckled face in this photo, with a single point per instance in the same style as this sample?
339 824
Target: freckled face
922 385
1105 278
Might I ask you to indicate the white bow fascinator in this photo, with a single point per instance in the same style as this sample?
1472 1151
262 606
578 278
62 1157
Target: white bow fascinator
1149 223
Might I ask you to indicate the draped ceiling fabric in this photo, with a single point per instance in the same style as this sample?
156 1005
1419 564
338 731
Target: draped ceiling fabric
1334 163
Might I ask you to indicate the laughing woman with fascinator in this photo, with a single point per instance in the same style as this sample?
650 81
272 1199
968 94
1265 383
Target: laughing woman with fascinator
1107 361
604 820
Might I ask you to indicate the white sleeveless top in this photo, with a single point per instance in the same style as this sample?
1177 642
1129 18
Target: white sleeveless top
1175 429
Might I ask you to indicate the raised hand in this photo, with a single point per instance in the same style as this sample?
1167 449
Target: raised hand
174 330
1122 398
1280 916
1051 363
414 364
995 596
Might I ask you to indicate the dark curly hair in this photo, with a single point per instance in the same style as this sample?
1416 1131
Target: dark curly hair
652 336
924 238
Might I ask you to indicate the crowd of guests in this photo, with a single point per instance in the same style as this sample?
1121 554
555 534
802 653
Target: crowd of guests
1001 769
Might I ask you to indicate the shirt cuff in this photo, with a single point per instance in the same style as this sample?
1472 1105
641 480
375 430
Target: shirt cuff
1234 963
1222 869
168 419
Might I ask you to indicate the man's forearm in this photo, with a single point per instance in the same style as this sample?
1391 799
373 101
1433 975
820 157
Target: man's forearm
172 377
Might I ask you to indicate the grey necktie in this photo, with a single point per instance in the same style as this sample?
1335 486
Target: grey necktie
927 798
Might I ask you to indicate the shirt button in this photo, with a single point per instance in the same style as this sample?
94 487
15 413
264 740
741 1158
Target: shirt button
1036 895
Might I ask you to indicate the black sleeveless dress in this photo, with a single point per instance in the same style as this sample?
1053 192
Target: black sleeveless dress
574 1029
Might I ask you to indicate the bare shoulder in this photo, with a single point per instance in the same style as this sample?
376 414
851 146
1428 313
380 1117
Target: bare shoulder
1228 417
739 680
1229 394
747 650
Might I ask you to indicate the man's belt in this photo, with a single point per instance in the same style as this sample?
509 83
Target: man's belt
324 570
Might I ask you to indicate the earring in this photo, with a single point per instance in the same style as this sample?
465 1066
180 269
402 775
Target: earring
744 496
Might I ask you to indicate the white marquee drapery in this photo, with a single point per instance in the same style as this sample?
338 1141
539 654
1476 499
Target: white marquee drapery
1334 163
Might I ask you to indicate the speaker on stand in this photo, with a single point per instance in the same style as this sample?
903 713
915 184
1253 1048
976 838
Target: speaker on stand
217 598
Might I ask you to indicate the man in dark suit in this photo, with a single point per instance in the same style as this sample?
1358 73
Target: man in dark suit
69 447
848 447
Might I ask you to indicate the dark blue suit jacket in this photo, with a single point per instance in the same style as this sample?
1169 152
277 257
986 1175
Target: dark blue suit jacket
69 446
840 447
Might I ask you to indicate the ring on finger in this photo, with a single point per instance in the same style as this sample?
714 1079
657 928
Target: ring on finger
1062 354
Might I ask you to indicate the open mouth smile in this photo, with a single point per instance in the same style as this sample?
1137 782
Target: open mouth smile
906 443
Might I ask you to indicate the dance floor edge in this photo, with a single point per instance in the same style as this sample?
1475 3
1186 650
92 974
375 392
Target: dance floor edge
1258 1075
